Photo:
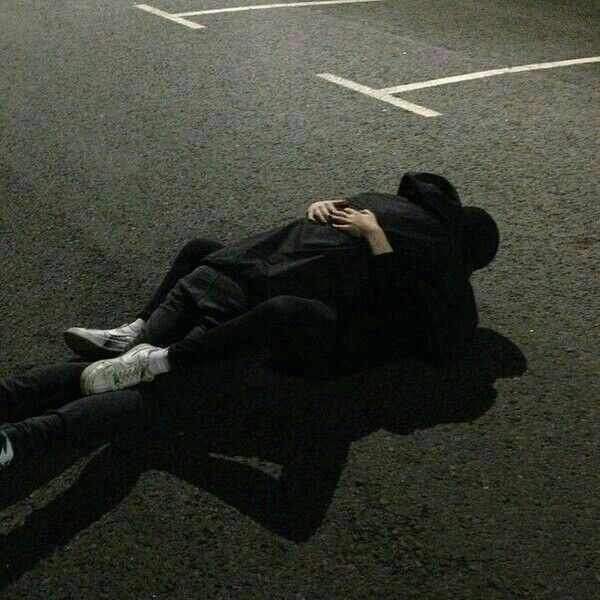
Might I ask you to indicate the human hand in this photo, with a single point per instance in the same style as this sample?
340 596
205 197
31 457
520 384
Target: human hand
355 222
321 211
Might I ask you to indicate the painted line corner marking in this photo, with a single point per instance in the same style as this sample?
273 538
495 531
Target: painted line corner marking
171 17
380 95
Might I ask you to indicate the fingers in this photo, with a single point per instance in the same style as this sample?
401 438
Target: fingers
316 213
327 211
329 207
332 206
340 216
322 211
323 214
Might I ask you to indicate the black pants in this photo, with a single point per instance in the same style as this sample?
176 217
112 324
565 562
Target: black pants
188 258
203 316
44 409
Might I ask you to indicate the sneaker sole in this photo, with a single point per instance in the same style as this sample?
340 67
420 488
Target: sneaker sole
80 344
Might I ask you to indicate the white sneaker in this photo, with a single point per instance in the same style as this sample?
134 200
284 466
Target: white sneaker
117 373
114 341
7 454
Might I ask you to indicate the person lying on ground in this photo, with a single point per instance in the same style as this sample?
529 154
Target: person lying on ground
355 283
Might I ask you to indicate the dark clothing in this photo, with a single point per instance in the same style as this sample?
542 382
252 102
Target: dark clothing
187 259
196 307
307 297
424 281
218 319
43 410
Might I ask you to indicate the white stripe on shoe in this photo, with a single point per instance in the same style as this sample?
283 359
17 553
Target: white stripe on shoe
118 340
6 450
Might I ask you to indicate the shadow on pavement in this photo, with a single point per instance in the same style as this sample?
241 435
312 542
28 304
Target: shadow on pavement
305 425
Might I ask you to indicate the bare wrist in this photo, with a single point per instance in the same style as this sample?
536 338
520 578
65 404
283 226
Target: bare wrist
373 233
378 242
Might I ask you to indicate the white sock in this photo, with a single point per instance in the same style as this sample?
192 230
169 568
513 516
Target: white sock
136 326
158 361
131 330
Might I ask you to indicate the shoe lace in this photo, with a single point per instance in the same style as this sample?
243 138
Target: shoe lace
131 374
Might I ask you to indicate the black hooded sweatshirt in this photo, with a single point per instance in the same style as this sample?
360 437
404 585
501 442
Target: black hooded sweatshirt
424 283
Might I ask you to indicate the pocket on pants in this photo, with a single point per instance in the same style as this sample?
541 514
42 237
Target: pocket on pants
216 298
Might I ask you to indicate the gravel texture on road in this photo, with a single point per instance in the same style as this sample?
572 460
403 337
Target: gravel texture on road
124 135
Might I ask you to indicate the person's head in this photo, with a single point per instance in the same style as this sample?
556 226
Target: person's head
480 238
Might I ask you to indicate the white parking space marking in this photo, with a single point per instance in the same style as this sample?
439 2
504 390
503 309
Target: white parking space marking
481 74
380 95
386 94
180 17
171 17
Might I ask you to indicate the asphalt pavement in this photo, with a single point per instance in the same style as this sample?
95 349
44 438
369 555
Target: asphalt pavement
125 133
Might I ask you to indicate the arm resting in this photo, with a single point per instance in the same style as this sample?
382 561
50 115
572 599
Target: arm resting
378 242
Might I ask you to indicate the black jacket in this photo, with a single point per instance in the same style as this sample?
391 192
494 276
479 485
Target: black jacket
423 283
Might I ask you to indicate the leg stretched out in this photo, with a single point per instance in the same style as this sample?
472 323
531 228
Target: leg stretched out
285 326
44 410
118 340
39 389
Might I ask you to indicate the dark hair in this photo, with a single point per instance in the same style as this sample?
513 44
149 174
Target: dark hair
480 238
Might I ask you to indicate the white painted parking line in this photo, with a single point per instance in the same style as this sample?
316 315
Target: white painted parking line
481 74
380 95
171 17
385 94
180 17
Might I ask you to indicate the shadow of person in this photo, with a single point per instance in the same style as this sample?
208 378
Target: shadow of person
304 424
309 427
104 482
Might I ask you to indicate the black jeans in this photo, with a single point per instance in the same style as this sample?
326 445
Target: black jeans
187 259
44 409
204 316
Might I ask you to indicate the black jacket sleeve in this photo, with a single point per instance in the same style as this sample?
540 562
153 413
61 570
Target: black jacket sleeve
433 311
393 276
397 313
